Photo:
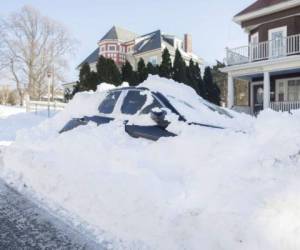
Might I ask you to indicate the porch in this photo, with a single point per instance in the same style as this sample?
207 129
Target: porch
279 90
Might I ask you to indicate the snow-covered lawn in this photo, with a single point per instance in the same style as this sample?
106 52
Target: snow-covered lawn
14 119
204 189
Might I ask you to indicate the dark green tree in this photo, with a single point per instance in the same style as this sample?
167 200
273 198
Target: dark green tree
88 80
84 74
212 89
135 79
114 73
108 71
142 70
75 90
191 76
152 69
165 68
220 79
127 73
179 68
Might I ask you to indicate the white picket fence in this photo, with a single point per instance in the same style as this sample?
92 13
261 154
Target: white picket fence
36 106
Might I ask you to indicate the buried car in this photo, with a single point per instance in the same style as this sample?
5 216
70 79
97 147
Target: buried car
138 102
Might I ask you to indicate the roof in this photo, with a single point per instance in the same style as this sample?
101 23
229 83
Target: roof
117 33
260 4
148 42
92 58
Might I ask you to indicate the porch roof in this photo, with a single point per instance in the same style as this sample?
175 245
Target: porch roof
272 74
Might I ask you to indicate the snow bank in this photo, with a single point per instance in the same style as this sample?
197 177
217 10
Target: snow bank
14 119
6 111
205 189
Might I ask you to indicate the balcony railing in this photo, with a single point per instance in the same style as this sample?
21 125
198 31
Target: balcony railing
280 47
285 106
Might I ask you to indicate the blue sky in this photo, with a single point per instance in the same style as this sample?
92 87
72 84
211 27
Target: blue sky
209 22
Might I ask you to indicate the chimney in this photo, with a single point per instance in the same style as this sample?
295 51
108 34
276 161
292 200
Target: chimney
188 43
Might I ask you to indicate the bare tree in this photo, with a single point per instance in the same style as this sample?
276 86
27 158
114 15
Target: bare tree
5 91
30 45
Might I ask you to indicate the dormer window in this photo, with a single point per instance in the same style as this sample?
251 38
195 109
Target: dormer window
112 47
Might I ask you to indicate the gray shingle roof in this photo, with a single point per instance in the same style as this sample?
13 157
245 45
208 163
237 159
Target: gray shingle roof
117 33
92 58
149 42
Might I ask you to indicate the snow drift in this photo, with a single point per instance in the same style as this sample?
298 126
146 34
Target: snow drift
204 189
13 119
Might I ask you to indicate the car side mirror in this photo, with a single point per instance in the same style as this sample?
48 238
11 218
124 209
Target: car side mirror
159 117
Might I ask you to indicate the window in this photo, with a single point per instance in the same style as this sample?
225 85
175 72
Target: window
153 60
102 48
148 108
293 90
107 106
112 48
133 102
281 91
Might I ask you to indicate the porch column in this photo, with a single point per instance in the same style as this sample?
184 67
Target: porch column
266 90
230 94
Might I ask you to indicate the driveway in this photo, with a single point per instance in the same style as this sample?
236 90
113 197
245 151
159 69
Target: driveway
25 226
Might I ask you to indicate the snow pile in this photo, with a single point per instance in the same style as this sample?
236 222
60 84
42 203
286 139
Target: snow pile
204 189
14 119
6 111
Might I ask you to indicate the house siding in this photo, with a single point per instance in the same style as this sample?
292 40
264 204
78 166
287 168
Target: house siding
271 17
292 23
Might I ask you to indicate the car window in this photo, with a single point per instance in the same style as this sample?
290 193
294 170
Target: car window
108 104
148 108
133 102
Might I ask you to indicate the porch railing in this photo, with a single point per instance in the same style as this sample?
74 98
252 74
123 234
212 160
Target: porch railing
263 51
285 106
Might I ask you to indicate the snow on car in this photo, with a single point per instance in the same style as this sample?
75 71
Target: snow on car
205 188
133 104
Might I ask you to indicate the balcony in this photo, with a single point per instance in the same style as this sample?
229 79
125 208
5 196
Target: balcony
254 52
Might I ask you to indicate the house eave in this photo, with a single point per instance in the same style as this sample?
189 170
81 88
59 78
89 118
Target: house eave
266 11
269 65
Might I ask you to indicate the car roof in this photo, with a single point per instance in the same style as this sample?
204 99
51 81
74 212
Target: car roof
129 88
159 95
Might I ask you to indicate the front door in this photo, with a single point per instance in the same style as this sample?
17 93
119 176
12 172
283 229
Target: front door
258 98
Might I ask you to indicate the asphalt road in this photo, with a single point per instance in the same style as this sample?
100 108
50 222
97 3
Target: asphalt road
25 226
